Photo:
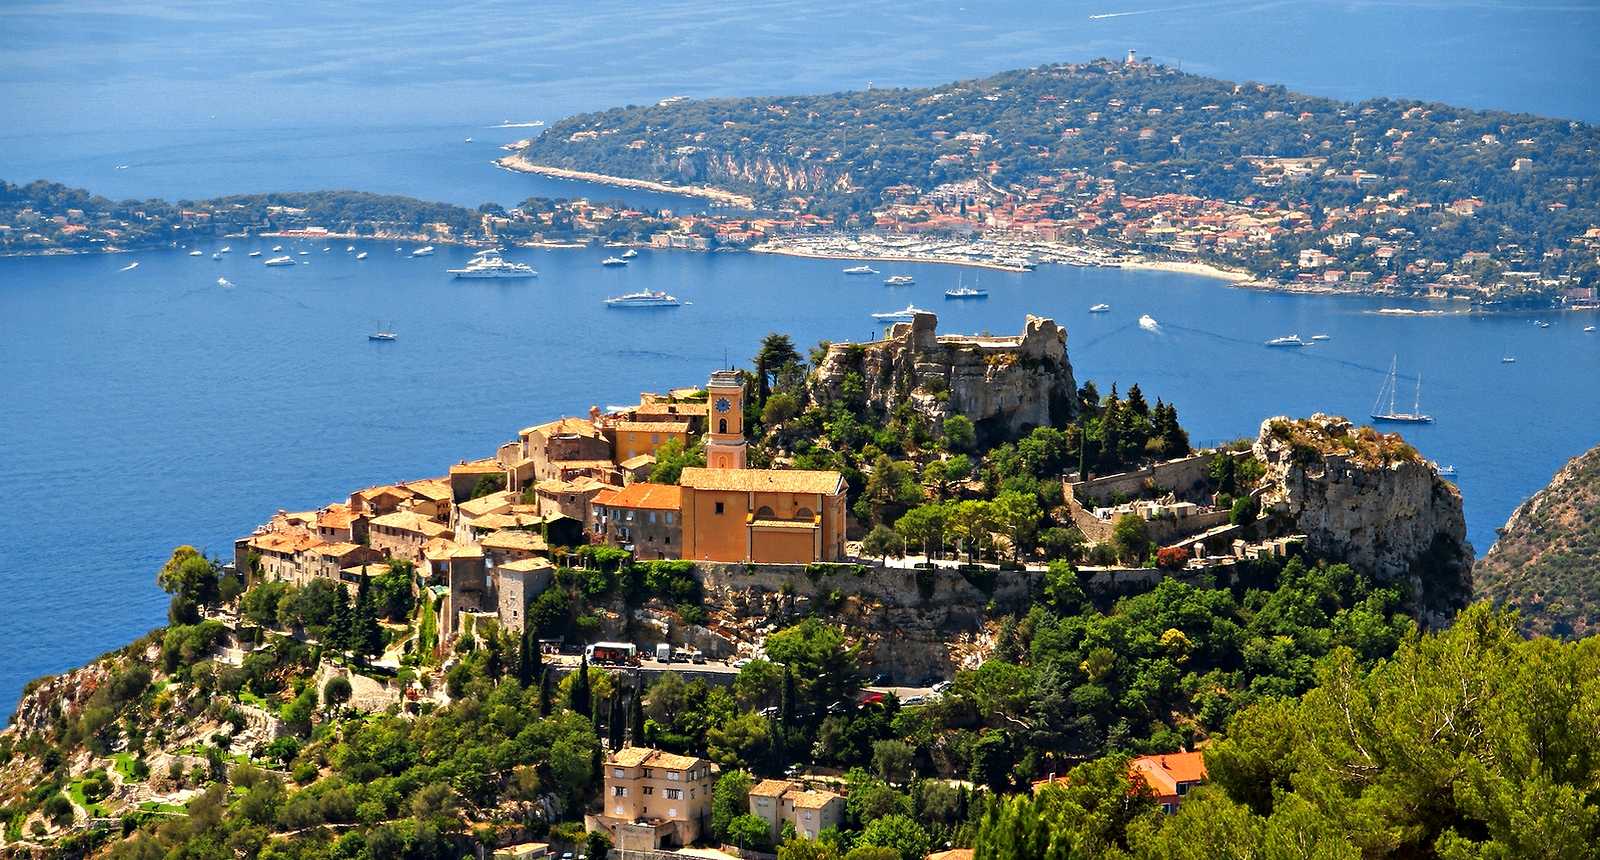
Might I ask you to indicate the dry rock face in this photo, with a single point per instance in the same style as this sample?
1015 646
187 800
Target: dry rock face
1006 385
1369 499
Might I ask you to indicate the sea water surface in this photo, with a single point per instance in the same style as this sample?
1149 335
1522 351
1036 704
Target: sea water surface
144 409
153 407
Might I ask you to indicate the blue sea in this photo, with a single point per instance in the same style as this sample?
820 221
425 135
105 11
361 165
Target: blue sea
148 408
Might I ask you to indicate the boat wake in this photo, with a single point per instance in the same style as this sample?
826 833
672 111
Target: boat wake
532 123
130 267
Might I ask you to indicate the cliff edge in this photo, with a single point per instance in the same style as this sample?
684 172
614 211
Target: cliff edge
1369 499
1546 562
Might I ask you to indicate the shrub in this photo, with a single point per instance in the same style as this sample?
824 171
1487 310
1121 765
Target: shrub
1171 557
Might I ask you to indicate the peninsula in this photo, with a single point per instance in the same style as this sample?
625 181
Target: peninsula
1110 161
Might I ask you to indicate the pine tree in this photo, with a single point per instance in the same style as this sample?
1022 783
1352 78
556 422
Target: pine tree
544 693
637 738
339 630
580 688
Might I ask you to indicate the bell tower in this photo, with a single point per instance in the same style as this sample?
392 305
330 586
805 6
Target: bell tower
725 445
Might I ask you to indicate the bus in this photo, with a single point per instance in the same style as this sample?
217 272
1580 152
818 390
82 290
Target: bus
611 652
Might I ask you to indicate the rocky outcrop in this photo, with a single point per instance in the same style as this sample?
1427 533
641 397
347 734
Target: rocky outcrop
1546 563
1369 499
1006 385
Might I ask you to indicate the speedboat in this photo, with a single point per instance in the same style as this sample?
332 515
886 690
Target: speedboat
489 264
643 299
613 261
1589 328
224 282
361 256
861 270
424 251
276 248
468 140
326 249
966 293
305 253
1320 337
1508 359
284 260
1099 309
226 249
255 253
1292 340
194 253
904 315
899 281
216 255
1543 324
349 248
630 253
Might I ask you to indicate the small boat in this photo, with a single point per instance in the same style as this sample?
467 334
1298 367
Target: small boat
1288 341
424 251
861 270
361 256
326 249
216 255
468 140
899 281
1445 471
122 167
349 248
1099 309
630 253
305 253
1148 323
1589 329
224 282
904 315
1321 337
276 248
1543 324
284 260
130 267
643 299
226 249
613 261
966 293
255 253
195 253
384 333
1508 359
1415 416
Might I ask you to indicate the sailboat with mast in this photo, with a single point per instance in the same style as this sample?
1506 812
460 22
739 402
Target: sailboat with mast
1415 416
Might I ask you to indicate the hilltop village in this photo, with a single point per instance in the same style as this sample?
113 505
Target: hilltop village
905 599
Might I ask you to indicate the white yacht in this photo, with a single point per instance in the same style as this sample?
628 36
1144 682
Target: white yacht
216 255
284 260
489 264
899 281
861 270
630 253
1288 341
643 299
904 315
224 282
1321 337
349 248
276 248
424 251
195 253
1099 309
967 293
226 249
305 253
613 261
255 253
1589 328
361 256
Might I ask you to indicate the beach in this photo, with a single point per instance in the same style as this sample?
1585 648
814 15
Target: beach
522 165
1205 270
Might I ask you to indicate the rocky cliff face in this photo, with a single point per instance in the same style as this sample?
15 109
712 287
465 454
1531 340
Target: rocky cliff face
1006 385
1547 561
1368 498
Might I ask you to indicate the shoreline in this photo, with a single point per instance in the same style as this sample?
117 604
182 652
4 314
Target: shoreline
518 164
1204 270
788 251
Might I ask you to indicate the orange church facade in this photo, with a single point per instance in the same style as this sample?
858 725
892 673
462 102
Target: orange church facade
764 516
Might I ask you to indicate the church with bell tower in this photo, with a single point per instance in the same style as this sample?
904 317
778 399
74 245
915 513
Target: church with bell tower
725 444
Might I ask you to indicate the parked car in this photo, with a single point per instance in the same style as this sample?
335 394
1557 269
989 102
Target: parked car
941 687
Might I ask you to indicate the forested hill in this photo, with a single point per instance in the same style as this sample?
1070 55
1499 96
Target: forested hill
1152 129
1547 561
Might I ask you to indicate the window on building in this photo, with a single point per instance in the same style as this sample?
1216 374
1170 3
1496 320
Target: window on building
674 794
619 791
722 425
669 517
649 790
719 507
649 774
652 519
616 773
674 776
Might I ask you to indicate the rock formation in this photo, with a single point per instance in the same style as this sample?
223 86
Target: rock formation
1006 385
1371 500
1547 561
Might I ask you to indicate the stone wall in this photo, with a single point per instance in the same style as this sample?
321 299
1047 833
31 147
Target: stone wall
1181 476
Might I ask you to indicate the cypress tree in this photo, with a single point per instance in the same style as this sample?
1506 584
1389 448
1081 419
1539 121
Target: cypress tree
339 630
615 722
580 688
786 699
528 659
544 693
638 713
366 637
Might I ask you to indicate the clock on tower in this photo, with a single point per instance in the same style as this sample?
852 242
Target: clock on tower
725 445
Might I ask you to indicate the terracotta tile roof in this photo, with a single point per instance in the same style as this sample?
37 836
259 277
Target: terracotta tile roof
493 503
564 427
952 854
813 799
514 539
1163 772
434 489
646 496
337 550
478 467
771 788
651 426
638 462
528 565
690 409
765 523
334 517
284 542
643 756
762 480
605 496
386 489
412 522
